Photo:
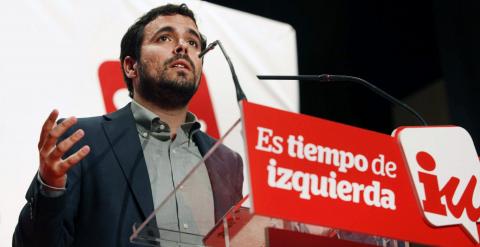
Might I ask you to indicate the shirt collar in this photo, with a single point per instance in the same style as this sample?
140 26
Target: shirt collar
147 121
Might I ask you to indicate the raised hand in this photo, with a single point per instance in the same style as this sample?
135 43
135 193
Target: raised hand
53 168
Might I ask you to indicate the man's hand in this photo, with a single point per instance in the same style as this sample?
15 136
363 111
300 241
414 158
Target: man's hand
53 168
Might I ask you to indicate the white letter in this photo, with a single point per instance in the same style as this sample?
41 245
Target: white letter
319 189
390 167
357 188
378 170
332 185
371 194
300 147
344 188
388 199
327 155
263 139
291 146
303 186
310 151
272 173
346 160
277 143
284 181
363 165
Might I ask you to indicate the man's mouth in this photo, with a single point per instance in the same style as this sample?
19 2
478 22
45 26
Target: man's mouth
181 64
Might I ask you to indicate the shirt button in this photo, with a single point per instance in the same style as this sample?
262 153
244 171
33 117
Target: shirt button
162 127
145 134
185 225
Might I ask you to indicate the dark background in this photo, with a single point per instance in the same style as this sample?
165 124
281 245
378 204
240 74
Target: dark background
426 53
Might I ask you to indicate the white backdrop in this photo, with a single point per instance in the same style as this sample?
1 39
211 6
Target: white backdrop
51 50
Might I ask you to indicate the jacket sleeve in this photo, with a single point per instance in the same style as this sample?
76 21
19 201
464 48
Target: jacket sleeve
238 178
42 220
49 221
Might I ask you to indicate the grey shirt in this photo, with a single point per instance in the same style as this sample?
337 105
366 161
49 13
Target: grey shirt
191 208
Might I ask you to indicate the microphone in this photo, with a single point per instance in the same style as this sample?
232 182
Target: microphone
346 78
238 89
208 48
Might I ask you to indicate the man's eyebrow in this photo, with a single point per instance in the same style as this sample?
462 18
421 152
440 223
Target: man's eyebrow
171 29
163 29
194 33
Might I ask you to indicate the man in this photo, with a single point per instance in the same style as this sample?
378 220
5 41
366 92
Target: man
98 176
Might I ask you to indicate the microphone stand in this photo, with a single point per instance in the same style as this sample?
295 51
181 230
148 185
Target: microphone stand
346 78
238 89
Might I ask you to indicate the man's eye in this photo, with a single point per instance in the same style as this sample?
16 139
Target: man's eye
193 43
164 38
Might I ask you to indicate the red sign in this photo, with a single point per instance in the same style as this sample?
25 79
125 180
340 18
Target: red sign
320 172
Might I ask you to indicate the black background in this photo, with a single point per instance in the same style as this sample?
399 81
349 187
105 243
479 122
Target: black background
401 46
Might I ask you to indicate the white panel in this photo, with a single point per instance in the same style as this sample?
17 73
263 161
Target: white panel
51 50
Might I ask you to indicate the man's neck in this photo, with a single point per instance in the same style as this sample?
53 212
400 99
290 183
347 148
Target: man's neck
174 118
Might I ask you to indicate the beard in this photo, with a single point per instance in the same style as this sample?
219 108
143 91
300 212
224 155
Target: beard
169 92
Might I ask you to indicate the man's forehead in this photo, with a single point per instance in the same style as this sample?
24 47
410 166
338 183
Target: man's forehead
177 22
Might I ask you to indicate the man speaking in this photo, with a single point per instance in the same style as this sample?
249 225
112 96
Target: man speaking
98 176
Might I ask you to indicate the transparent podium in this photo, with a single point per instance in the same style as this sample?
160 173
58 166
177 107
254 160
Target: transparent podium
187 215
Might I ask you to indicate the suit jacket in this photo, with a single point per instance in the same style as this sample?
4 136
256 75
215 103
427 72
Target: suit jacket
109 190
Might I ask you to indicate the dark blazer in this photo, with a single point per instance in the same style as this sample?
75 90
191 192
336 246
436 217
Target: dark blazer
109 190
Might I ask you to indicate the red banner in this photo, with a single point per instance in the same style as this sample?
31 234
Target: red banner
320 172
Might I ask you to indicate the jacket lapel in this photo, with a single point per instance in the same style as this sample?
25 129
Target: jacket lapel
122 134
221 198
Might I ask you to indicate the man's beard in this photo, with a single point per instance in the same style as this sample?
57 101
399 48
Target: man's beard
168 93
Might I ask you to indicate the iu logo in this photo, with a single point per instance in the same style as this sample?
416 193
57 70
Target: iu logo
445 170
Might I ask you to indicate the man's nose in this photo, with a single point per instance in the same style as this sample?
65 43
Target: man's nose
181 47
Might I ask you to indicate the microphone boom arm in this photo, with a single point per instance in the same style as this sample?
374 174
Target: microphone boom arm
346 78
238 89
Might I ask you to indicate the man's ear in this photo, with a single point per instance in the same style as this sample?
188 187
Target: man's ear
130 67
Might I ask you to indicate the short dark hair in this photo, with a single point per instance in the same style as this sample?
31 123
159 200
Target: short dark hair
133 38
